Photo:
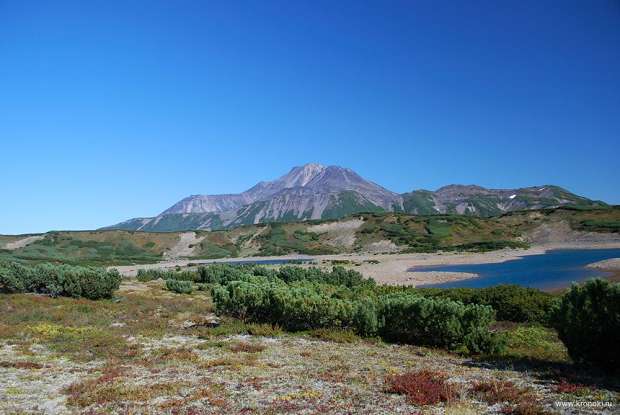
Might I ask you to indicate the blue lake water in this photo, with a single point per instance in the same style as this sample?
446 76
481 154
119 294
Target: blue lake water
552 270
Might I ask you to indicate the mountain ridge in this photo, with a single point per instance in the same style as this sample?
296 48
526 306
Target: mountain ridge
315 191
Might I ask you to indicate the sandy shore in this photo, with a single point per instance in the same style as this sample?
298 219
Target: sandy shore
612 264
394 269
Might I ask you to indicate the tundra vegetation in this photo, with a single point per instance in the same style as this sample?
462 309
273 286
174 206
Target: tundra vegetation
297 340
404 232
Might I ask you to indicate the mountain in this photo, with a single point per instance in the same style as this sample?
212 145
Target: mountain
314 191
478 201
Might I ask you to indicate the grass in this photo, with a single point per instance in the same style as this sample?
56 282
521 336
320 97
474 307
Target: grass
83 329
281 239
97 392
247 347
95 248
265 330
438 232
593 225
534 343
335 335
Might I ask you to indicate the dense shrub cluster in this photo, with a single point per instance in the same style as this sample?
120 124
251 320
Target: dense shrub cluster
179 286
437 322
510 302
588 322
59 280
404 317
145 275
224 273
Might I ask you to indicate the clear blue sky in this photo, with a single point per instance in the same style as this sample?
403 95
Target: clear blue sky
116 109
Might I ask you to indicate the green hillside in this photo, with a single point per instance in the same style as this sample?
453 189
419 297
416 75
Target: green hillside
406 233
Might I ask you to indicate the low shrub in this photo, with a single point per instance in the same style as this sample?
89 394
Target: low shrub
10 282
497 391
435 322
179 286
564 386
225 273
510 302
145 275
265 330
588 322
59 280
304 305
247 347
515 400
335 335
534 343
425 387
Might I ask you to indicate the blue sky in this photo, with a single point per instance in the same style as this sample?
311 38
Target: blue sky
111 110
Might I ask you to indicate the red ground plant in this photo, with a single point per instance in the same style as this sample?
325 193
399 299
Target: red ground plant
564 386
425 387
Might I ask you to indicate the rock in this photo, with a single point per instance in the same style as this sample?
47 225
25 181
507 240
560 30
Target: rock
210 320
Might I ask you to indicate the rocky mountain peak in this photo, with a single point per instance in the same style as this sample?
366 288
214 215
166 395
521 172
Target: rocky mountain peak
301 175
315 191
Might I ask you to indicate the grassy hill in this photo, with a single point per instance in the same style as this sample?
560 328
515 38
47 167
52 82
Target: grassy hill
366 232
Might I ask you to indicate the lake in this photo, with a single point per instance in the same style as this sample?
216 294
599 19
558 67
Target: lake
551 270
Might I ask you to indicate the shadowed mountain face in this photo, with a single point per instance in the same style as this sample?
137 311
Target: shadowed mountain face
314 191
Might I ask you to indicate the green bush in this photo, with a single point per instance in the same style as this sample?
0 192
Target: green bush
179 286
339 276
145 275
510 302
434 322
294 307
9 282
221 273
92 283
59 280
401 317
588 322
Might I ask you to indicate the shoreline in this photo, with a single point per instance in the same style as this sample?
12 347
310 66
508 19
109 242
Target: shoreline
399 269
392 269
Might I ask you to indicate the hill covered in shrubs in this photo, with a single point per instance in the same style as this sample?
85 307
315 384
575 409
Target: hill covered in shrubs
362 233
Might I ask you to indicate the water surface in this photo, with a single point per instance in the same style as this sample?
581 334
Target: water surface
551 270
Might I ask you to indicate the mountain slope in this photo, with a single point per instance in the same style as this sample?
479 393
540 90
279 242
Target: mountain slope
476 200
314 191
386 232
311 191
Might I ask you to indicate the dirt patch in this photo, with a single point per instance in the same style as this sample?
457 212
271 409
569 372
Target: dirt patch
560 232
338 234
11 246
383 246
185 246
